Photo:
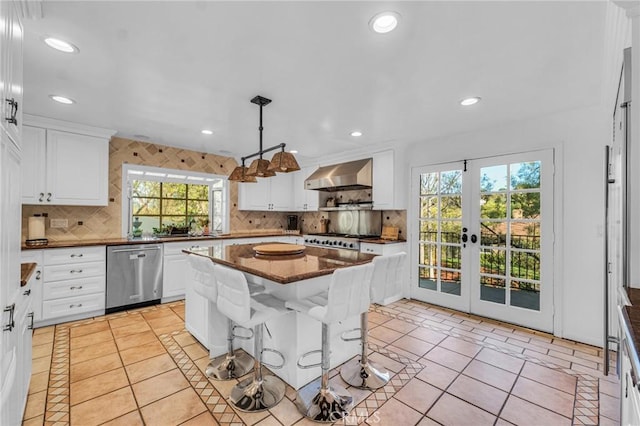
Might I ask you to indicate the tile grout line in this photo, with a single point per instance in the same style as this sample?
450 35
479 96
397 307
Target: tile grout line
582 380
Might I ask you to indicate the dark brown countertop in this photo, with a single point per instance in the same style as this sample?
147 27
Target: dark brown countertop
313 262
26 270
124 241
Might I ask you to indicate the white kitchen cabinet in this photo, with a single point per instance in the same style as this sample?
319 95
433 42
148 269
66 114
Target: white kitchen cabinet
65 163
269 194
387 193
73 284
37 257
11 63
11 302
175 268
304 199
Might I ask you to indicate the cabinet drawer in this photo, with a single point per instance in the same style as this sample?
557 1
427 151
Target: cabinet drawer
371 248
74 271
71 288
75 255
72 305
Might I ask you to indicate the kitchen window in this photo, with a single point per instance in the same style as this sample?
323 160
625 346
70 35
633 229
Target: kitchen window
165 201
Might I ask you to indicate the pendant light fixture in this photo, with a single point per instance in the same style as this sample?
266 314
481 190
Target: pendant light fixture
282 162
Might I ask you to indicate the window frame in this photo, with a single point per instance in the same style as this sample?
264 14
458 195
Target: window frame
159 174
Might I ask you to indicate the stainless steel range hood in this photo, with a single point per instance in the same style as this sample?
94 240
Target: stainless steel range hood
342 177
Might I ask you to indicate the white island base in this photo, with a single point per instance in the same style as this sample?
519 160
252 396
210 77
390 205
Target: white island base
292 334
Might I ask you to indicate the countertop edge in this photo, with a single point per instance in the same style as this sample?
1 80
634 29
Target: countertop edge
124 241
26 270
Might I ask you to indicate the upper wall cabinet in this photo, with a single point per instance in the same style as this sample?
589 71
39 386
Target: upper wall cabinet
11 69
272 194
388 193
304 199
65 168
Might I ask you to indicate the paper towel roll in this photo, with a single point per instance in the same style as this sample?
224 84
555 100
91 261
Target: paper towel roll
36 227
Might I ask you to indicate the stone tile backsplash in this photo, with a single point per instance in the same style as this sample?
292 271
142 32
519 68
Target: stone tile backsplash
105 222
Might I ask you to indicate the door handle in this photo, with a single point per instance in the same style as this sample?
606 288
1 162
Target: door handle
11 324
41 197
48 196
14 111
464 238
474 238
30 326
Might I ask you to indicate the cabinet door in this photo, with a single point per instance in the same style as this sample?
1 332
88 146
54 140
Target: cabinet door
175 273
77 169
383 180
34 142
254 196
281 192
11 69
196 312
304 199
10 213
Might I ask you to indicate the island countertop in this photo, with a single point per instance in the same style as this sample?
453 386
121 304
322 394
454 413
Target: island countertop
313 262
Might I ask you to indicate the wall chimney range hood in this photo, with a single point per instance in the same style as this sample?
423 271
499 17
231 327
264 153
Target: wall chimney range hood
342 177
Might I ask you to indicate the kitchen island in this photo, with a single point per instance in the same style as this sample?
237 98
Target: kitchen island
289 277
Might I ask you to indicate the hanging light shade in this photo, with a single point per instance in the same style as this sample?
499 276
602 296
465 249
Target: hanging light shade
239 174
283 162
260 168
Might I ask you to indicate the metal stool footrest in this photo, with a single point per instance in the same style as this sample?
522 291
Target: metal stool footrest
351 339
227 367
239 336
306 354
274 366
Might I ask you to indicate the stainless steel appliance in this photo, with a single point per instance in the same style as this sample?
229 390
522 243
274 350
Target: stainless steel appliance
355 222
134 276
340 177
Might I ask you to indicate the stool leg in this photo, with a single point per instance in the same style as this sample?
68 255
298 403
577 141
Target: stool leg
318 400
233 364
360 372
257 393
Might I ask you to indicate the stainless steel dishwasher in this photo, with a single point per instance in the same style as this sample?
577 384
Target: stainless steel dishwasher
134 276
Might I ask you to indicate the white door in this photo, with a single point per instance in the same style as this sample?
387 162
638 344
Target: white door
485 237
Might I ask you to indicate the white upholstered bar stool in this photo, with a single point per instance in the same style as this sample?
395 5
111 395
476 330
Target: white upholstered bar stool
235 363
257 393
348 296
386 281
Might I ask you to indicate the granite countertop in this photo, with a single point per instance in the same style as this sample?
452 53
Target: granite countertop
125 241
381 241
313 262
26 270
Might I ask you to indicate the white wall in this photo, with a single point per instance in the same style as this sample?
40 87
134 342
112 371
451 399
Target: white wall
578 138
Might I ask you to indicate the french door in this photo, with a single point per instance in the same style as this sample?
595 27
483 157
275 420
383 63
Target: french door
484 237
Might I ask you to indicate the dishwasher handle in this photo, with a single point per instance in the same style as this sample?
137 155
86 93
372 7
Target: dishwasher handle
136 249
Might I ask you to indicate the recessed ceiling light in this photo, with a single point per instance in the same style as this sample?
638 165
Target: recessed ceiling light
470 101
356 133
384 22
61 45
207 132
294 151
62 99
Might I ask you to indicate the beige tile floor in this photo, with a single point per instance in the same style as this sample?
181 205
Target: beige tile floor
142 367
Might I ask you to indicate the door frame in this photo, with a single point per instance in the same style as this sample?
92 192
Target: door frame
458 151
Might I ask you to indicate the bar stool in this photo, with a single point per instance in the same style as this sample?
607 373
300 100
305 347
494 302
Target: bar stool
235 363
257 393
386 281
348 295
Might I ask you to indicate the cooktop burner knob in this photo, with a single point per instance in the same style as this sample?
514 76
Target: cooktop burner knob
351 245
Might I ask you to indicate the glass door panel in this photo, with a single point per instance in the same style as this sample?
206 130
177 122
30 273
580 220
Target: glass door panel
485 237
440 248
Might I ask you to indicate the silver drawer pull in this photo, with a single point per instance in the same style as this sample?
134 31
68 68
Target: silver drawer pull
79 305
77 255
38 274
75 288
75 271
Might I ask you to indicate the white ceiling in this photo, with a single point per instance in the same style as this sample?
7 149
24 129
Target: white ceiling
169 69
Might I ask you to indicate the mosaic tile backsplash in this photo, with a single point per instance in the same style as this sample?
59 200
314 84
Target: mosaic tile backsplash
105 222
